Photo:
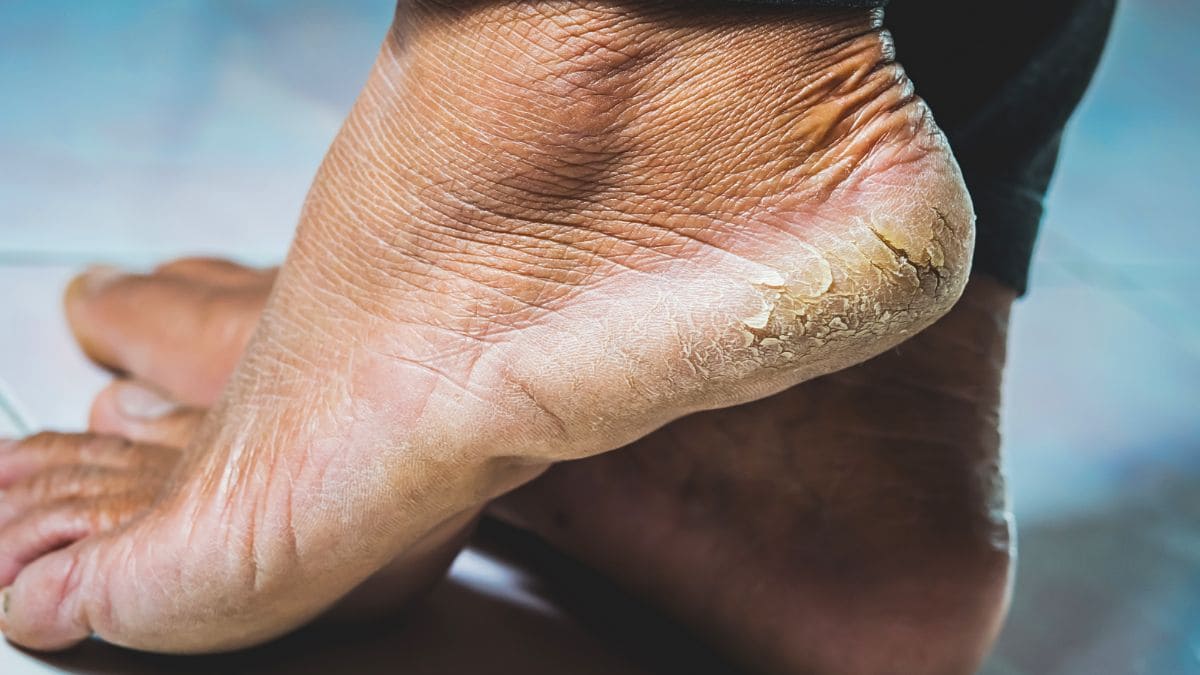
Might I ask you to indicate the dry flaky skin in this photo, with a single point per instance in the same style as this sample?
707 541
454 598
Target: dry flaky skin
545 230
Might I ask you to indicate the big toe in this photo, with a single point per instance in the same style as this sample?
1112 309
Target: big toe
34 612
65 597
183 334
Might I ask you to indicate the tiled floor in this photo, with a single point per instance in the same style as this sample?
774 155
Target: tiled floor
133 132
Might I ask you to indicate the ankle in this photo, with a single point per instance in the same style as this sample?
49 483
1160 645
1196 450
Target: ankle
570 97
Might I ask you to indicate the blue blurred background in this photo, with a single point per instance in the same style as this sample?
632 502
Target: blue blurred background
136 131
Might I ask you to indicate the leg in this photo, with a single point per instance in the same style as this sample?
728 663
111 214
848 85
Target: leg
540 235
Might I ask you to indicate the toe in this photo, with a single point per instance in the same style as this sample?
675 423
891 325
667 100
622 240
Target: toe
24 459
140 413
181 334
69 482
57 524
45 608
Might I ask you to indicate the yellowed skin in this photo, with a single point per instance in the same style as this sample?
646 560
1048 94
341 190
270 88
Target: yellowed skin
546 230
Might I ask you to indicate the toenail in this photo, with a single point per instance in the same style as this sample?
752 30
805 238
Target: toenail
7 444
138 402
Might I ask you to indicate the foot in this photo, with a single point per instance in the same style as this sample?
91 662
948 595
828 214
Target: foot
544 232
884 477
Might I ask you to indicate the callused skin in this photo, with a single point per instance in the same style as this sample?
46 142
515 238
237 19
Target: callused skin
546 230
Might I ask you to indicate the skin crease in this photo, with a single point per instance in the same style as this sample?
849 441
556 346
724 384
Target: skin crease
536 238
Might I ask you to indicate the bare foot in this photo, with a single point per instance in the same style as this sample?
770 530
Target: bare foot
856 523
545 231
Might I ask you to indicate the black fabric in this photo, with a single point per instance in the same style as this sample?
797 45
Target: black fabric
1002 78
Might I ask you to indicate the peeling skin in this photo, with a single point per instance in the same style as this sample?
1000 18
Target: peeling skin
776 290
806 303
